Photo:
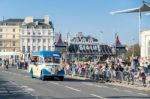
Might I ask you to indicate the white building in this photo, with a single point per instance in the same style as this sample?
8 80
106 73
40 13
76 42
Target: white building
145 43
36 35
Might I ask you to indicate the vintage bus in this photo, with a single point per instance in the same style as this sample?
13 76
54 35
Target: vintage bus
46 64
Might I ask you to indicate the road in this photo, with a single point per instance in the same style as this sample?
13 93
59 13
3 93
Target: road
16 84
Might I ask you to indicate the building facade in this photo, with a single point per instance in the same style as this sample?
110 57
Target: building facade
10 35
10 39
145 43
87 47
36 35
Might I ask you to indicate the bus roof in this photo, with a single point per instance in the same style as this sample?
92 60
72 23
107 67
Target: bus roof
47 53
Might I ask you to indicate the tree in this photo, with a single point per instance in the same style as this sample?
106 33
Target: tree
133 50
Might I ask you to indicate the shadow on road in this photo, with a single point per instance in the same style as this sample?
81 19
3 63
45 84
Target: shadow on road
128 97
10 91
66 79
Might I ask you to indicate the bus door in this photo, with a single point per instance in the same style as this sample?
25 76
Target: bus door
39 66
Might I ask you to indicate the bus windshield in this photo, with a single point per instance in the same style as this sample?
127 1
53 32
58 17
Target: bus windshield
49 59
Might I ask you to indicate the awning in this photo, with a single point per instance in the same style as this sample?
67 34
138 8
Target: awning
89 49
143 8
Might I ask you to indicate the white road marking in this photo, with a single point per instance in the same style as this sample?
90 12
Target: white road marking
97 96
99 86
54 83
105 87
127 91
89 84
116 89
143 94
73 88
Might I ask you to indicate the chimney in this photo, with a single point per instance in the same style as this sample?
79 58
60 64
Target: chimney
36 23
28 19
46 19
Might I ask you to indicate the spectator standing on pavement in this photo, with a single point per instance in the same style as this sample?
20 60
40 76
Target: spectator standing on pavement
10 61
73 68
119 72
96 72
18 64
146 67
25 64
141 61
149 67
143 75
107 73
1 62
6 63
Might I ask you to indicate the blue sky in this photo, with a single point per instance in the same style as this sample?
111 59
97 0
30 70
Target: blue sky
87 16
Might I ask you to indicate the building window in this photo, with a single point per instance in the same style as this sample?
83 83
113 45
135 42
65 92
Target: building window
34 48
1 30
22 40
149 48
39 33
28 33
39 48
90 41
49 48
33 33
1 36
49 33
43 32
23 48
14 43
13 36
14 50
1 43
33 40
39 40
13 30
44 40
28 48
28 40
44 47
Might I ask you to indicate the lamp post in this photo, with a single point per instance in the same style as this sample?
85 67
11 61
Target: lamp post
101 39
67 46
133 48
78 54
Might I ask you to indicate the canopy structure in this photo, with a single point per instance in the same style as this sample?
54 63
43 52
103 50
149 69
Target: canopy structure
143 8
89 49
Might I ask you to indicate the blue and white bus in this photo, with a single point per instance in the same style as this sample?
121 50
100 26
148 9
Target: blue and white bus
46 64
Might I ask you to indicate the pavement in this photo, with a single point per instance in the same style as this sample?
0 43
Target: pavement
138 85
70 88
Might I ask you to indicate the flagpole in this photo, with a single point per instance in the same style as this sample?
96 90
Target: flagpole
139 26
115 48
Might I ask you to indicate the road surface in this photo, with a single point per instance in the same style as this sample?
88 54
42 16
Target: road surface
16 84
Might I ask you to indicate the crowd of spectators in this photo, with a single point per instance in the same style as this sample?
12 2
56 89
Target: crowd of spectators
111 70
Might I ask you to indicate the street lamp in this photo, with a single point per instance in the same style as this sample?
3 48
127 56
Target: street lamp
101 39
133 48
67 50
78 54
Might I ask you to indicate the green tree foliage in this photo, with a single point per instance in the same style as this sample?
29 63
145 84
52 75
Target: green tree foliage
133 50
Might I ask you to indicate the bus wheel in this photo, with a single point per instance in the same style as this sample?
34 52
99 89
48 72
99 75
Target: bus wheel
31 73
42 78
61 78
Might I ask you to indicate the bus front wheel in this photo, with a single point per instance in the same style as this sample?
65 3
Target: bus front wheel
61 78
